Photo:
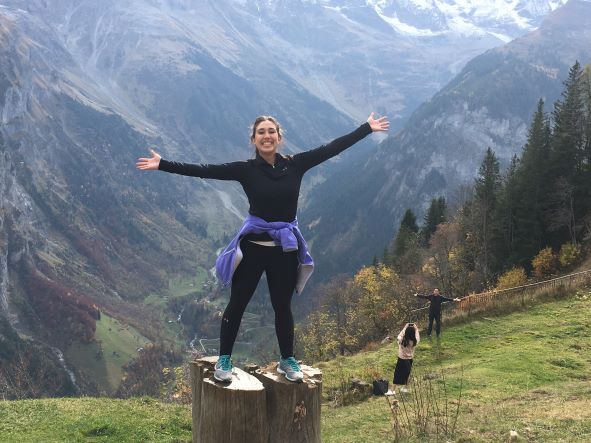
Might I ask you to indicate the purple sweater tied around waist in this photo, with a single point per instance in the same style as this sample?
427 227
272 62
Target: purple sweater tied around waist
286 234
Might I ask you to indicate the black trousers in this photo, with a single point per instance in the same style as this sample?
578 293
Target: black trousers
281 269
437 317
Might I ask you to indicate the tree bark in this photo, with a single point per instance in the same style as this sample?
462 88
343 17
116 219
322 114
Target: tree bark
293 409
227 413
258 406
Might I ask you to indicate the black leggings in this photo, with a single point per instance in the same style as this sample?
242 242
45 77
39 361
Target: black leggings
281 269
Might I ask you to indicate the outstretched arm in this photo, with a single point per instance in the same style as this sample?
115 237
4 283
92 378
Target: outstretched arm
226 171
443 298
311 158
428 297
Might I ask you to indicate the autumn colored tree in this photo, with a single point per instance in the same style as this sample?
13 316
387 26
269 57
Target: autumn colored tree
545 263
512 278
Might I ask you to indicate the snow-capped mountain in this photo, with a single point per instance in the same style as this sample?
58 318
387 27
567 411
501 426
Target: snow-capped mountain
428 18
500 18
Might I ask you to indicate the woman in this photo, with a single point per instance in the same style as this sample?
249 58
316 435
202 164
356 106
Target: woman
408 338
269 240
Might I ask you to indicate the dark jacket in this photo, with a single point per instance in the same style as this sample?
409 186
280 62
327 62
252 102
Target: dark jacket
436 301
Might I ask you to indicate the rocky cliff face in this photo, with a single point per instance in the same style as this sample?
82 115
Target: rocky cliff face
75 232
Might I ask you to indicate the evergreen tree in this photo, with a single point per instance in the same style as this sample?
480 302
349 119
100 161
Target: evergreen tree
569 122
387 257
584 179
507 209
531 187
567 158
409 221
435 216
587 102
485 226
406 241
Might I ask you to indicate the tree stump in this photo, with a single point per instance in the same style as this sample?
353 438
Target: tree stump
293 409
227 413
257 406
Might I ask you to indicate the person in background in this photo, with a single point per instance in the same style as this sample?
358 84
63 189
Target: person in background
408 338
269 240
436 300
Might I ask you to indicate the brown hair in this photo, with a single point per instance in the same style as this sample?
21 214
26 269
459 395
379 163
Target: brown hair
263 118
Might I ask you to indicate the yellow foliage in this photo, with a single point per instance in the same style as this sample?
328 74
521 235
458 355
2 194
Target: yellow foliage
568 254
544 263
512 278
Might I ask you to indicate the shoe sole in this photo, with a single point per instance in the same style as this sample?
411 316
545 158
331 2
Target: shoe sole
281 371
221 379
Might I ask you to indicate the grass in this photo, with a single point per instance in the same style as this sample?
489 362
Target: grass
529 371
178 287
119 345
94 419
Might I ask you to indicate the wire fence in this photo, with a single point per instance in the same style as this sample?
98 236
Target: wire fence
505 299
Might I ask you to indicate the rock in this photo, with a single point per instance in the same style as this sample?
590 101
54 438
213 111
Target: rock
513 435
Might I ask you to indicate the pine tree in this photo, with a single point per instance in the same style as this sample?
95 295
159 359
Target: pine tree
567 157
531 187
485 225
587 103
406 241
409 220
507 209
435 216
584 176
569 121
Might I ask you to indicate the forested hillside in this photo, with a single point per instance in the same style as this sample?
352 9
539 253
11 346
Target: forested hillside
513 226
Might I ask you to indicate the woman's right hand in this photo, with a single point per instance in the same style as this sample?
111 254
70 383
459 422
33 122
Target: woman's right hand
149 164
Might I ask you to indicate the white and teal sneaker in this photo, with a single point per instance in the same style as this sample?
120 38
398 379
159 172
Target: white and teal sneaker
291 369
223 369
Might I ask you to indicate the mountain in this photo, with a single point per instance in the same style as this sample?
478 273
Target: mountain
81 231
490 103
76 233
86 87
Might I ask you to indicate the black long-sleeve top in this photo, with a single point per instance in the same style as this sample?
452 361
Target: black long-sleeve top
436 301
272 191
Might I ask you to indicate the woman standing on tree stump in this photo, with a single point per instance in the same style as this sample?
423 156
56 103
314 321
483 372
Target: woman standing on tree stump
269 240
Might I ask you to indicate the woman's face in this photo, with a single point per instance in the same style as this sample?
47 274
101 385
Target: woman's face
266 138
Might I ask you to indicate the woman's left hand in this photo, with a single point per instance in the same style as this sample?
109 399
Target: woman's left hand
380 124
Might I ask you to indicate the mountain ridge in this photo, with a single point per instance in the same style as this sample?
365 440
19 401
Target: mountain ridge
490 103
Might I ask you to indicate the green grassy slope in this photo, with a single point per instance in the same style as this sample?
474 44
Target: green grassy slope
94 419
119 344
529 371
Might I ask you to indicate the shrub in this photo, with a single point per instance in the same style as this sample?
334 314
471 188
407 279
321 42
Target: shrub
568 254
512 278
544 263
